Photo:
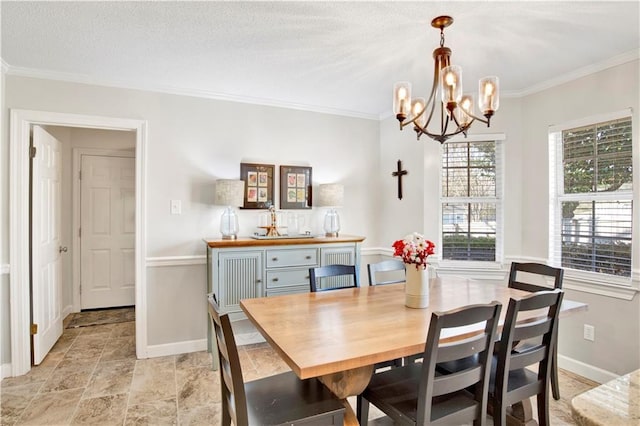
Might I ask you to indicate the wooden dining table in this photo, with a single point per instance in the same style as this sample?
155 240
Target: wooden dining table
339 335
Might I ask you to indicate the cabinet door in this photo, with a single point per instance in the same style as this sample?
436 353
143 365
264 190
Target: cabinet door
239 277
339 255
342 255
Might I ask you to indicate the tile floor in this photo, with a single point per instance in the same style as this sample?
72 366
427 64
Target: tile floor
91 376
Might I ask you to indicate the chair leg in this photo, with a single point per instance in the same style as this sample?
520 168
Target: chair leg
543 408
362 410
555 385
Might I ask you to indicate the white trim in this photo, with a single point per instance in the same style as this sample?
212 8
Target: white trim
155 262
20 126
198 93
591 120
5 371
590 69
167 349
5 269
585 370
66 311
5 66
77 154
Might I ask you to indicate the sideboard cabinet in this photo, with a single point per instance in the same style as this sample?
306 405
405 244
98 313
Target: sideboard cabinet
248 268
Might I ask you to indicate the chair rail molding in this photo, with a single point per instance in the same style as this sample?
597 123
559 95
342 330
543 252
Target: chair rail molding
162 261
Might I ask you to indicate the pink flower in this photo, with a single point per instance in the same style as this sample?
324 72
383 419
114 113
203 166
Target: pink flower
414 249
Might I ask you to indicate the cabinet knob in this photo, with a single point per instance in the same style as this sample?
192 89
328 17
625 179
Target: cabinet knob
275 279
308 257
258 281
275 259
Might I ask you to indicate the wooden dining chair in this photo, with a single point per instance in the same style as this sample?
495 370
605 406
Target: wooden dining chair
539 273
392 271
282 399
333 277
416 395
513 382
389 269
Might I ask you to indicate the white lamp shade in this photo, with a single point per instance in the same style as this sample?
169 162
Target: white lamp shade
331 195
229 192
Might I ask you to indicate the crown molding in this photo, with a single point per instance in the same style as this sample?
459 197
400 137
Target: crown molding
623 58
84 79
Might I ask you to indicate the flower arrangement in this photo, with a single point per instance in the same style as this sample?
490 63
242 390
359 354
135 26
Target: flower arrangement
414 249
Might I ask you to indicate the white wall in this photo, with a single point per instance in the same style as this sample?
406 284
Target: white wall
194 141
617 322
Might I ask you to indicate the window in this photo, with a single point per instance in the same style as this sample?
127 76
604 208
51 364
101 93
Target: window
471 201
591 206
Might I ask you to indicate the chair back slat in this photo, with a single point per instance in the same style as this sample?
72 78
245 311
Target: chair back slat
392 269
333 277
529 357
459 380
531 330
462 349
538 269
477 374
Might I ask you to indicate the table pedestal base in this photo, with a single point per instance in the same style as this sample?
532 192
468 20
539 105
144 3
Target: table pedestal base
348 383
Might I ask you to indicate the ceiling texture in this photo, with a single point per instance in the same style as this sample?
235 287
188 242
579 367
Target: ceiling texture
336 57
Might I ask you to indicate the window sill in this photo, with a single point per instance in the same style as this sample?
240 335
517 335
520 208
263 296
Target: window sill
602 285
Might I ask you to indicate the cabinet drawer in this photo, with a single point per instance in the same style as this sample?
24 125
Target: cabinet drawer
287 290
288 278
287 258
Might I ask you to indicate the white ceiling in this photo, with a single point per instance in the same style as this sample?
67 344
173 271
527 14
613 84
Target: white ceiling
340 57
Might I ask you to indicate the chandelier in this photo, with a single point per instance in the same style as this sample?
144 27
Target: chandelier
456 109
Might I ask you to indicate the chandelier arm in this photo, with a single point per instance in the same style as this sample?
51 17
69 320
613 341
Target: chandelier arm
474 117
431 100
442 138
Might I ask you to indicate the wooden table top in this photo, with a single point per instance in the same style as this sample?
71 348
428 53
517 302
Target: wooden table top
328 332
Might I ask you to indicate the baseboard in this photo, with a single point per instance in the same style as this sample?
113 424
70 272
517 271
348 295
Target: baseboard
5 371
154 351
585 370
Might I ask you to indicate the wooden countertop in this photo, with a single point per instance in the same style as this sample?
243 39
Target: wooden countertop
252 242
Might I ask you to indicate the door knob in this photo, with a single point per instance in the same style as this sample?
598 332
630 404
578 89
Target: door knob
62 249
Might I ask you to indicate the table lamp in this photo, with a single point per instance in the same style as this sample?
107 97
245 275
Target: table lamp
331 195
229 193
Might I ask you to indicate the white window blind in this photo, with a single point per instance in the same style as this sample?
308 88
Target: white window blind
591 203
471 201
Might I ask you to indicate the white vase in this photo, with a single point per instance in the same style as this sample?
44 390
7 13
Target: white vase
416 287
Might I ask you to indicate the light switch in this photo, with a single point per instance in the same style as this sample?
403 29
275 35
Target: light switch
176 207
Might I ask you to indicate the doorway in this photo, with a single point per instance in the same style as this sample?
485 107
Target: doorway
21 123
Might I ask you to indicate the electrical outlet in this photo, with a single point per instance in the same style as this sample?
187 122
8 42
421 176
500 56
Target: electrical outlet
176 207
589 332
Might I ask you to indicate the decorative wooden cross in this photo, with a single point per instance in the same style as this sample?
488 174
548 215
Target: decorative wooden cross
399 173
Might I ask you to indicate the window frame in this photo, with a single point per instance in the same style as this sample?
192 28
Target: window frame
476 266
592 282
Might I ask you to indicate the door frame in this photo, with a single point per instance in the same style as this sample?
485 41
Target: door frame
19 199
77 154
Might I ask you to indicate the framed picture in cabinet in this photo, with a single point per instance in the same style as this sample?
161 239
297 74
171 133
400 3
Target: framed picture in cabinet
258 179
295 187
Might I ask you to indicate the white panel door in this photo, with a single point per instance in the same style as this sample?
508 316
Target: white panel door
107 236
46 248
